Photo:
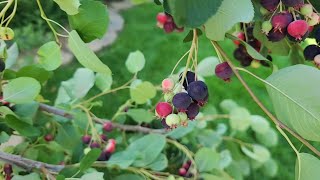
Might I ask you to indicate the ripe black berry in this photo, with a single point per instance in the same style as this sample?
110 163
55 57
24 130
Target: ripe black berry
317 35
181 101
2 65
246 62
190 77
193 111
198 90
164 124
224 71
264 63
311 51
86 139
270 5
104 156
275 36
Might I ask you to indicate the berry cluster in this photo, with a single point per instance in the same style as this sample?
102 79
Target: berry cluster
166 22
241 54
183 105
7 170
312 52
291 18
108 146
183 171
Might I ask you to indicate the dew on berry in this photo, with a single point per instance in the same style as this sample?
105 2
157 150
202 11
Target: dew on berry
163 109
198 90
311 51
181 101
223 71
298 29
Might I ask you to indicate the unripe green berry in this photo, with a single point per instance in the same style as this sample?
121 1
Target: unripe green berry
86 150
306 10
6 33
313 19
266 27
173 120
264 11
183 116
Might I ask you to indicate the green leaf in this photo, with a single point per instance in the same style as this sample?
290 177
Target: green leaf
135 62
85 55
122 159
148 148
35 72
50 55
296 108
240 119
129 176
221 175
103 81
182 131
89 159
82 81
190 13
296 54
32 176
228 105
209 138
206 66
92 176
92 20
225 159
66 136
280 48
9 74
4 137
229 13
4 110
206 159
269 139
270 168
259 124
309 167
23 128
27 110
140 115
13 53
71 7
159 164
21 90
143 92
258 153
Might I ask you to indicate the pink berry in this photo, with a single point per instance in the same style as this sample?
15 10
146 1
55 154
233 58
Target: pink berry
186 165
48 137
169 27
86 139
316 60
224 71
107 126
163 109
162 18
111 146
182 171
298 29
167 85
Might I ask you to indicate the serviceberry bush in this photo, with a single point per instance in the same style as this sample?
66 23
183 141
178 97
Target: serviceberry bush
165 130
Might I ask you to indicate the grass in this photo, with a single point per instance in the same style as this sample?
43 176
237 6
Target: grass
162 51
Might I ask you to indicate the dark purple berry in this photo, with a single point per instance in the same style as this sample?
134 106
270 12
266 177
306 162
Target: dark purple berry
169 27
275 36
311 51
293 3
317 35
270 5
186 165
103 137
190 77
86 139
104 156
181 101
224 71
94 145
2 65
281 21
107 126
265 63
250 33
246 62
238 54
198 90
193 111
7 169
164 124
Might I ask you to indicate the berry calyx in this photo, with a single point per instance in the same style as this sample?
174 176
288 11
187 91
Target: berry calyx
311 51
298 29
193 111
281 21
48 137
86 139
173 120
167 85
306 9
107 126
162 18
181 101
163 109
266 27
198 90
224 71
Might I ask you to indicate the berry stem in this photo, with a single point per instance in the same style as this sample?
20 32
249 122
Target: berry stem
175 67
259 103
238 141
314 9
95 135
6 7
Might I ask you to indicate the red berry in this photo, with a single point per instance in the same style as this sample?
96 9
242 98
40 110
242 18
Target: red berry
7 169
107 126
186 166
298 29
169 27
241 36
281 20
163 109
48 137
182 171
111 146
224 71
86 139
162 18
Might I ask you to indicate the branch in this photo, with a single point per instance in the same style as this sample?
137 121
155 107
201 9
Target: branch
264 109
132 128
